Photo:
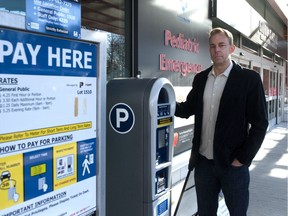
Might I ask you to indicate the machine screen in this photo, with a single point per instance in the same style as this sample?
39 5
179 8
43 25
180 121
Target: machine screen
162 145
161 138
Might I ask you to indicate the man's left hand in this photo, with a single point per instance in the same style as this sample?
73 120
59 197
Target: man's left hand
236 163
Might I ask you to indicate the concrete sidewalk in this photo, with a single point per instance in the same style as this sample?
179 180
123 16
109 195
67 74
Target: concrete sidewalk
268 186
269 173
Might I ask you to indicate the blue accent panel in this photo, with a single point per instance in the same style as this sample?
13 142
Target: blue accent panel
37 185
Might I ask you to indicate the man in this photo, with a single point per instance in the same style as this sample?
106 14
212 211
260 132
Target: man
230 124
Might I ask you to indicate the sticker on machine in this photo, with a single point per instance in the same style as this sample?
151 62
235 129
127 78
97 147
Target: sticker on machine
121 118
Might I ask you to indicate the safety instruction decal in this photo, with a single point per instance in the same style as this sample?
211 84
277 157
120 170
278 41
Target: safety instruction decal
64 165
38 173
86 159
11 181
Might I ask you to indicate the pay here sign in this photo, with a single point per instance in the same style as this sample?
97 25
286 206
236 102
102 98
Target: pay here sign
48 90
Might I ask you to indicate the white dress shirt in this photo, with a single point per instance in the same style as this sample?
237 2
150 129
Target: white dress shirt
211 99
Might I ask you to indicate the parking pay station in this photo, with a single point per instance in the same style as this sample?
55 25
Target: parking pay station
139 146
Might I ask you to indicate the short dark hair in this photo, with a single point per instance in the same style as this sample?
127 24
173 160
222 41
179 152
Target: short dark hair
218 30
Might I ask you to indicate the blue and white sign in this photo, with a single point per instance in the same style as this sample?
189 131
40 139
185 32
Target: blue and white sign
23 53
121 118
48 84
56 17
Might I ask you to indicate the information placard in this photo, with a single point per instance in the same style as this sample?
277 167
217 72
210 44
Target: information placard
56 17
48 125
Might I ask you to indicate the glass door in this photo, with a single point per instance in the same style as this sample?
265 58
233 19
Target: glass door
271 92
280 98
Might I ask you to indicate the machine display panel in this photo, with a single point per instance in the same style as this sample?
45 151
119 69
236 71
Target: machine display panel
161 138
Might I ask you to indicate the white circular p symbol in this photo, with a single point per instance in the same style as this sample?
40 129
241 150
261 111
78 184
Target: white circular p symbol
121 118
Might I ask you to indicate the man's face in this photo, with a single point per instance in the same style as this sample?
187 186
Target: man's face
220 49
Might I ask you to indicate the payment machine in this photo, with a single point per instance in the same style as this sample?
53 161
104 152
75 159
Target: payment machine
139 146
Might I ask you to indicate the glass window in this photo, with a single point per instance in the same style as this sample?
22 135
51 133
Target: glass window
280 107
280 84
116 57
270 110
244 65
15 6
257 69
273 83
111 16
266 82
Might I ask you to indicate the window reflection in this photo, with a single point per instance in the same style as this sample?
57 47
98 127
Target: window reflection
116 57
266 82
107 16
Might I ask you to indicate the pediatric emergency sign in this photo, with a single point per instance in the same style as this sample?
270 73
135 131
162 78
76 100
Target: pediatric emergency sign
48 90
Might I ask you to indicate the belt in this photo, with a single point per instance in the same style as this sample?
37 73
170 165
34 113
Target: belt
203 158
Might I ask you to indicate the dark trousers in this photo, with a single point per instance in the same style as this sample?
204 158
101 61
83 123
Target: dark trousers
234 184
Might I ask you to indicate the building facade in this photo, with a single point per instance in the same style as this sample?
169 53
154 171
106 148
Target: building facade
168 38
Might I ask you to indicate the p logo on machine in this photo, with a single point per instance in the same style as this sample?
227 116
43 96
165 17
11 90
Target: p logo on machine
121 118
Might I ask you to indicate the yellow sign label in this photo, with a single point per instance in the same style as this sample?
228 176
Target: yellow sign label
164 121
11 184
37 170
44 132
